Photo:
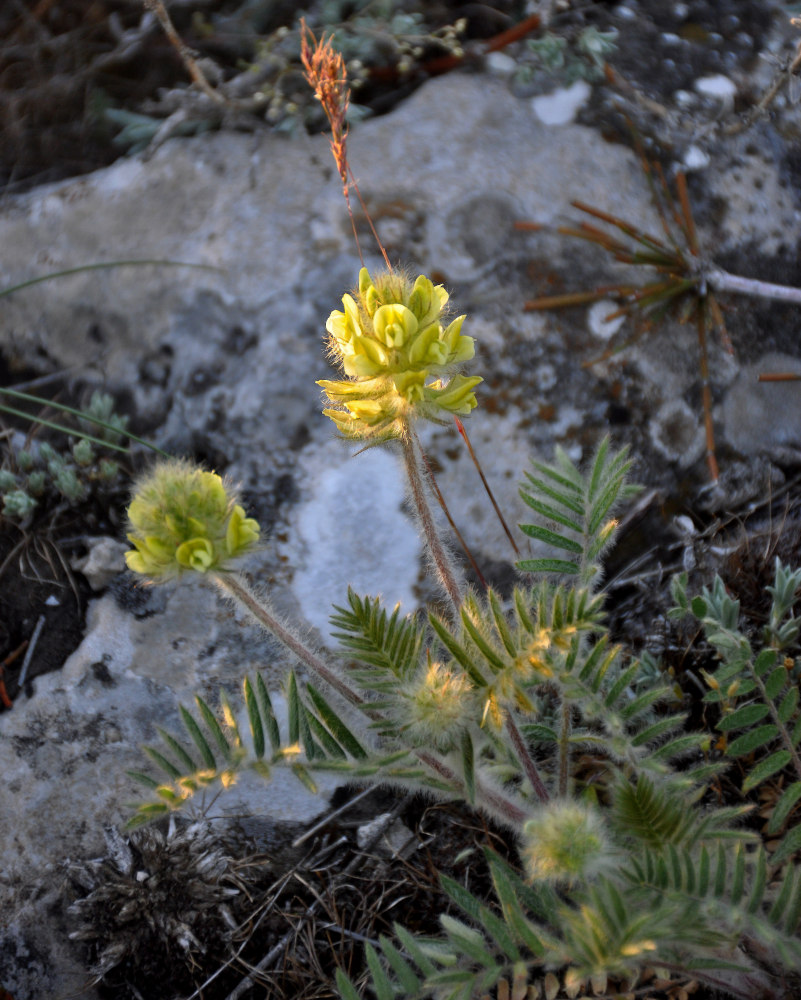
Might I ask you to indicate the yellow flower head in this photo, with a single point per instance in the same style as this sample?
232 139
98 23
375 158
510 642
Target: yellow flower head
565 842
438 702
390 340
182 518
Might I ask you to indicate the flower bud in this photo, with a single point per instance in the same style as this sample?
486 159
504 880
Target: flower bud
438 702
566 841
182 518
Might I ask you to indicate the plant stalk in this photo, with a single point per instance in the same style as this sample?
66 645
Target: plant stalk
525 759
501 805
234 586
722 281
412 454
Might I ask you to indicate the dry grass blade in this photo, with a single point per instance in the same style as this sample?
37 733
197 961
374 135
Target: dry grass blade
680 285
327 76
185 54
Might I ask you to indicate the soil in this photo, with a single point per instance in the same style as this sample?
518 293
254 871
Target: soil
43 598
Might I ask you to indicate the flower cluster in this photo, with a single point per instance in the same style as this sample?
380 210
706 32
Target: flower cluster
437 702
182 518
565 842
391 342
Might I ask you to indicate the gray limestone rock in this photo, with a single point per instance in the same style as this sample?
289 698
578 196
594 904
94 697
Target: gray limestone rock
221 362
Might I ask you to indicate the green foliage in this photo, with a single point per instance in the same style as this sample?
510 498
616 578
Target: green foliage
577 510
217 746
757 693
36 475
583 59
632 869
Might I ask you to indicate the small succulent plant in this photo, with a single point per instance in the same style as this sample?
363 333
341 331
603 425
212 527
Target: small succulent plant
33 476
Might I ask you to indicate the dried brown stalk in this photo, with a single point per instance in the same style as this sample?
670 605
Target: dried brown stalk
185 53
327 76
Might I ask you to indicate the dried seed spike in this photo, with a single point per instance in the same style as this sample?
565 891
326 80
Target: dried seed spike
551 984
327 76
503 989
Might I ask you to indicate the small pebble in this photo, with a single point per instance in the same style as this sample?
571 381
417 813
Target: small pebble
500 63
561 106
546 377
696 159
597 322
668 38
718 87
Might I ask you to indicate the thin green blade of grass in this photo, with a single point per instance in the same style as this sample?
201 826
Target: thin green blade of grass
79 414
104 265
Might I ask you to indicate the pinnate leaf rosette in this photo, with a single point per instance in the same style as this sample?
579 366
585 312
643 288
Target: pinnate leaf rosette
399 356
182 518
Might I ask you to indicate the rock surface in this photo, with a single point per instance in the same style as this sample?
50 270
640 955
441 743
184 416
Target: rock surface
221 364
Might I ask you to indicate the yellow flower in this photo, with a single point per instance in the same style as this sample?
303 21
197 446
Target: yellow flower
390 340
182 518
437 705
566 841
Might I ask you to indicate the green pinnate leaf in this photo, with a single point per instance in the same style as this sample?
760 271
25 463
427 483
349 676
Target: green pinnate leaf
789 705
267 713
784 807
765 768
547 566
254 718
552 538
214 728
198 738
163 762
753 740
336 726
748 715
775 682
381 981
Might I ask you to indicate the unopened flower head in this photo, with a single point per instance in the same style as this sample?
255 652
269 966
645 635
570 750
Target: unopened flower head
182 518
390 339
566 841
437 704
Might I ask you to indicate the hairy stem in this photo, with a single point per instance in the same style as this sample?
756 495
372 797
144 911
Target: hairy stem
722 281
442 562
564 746
499 804
524 757
234 586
